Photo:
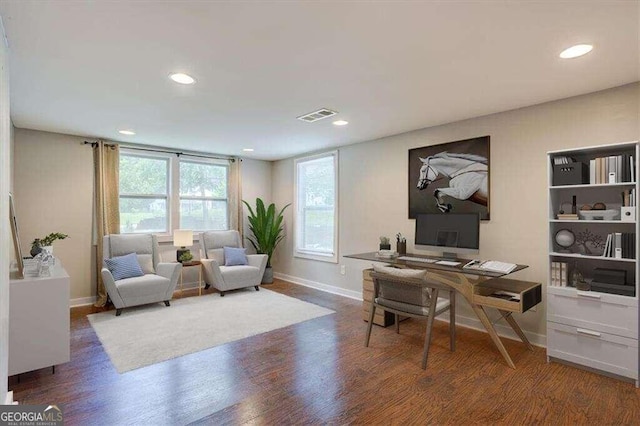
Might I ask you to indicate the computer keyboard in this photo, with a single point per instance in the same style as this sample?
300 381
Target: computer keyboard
418 259
497 266
448 262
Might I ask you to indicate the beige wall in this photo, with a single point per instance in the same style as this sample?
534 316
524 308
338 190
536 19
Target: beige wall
373 185
256 182
54 193
53 176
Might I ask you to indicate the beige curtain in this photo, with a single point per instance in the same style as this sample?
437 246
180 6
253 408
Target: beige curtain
106 161
235 197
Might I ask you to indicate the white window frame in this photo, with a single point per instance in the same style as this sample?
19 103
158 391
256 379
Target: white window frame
166 196
173 187
297 217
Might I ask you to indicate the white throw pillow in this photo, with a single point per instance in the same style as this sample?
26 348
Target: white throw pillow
400 273
146 263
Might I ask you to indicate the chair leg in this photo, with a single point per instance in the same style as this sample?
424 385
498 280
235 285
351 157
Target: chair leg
427 339
257 288
118 312
372 311
166 303
396 318
206 286
222 294
452 320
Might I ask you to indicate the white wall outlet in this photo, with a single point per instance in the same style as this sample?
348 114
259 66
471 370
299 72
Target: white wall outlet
343 269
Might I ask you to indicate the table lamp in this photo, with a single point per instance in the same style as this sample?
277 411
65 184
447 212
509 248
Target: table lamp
182 238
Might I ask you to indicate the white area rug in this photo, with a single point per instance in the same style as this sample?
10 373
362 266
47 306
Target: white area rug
149 334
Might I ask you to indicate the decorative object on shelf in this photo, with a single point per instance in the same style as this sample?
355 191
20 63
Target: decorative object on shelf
599 206
457 174
16 239
384 243
44 263
183 238
628 214
401 244
46 243
589 241
562 213
267 228
594 214
576 275
565 239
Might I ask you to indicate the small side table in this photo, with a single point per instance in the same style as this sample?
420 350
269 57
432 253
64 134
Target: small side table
187 265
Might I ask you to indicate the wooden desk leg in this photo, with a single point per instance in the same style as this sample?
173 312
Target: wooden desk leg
484 319
512 322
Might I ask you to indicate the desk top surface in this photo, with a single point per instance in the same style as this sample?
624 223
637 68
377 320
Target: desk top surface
373 257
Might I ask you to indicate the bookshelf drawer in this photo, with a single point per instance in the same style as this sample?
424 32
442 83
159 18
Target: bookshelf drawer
529 293
594 349
596 311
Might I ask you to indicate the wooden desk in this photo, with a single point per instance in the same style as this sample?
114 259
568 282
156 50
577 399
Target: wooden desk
476 287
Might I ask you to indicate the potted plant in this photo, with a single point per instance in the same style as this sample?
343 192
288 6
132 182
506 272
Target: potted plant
46 243
266 226
385 243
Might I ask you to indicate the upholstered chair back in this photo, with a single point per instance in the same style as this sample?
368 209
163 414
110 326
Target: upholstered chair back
212 243
145 246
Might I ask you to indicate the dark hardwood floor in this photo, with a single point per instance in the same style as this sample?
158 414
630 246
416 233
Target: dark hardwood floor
319 372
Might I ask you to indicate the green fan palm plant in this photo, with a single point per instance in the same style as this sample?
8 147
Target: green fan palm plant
266 226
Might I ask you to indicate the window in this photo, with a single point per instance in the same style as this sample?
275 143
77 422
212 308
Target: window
203 196
162 192
316 207
144 193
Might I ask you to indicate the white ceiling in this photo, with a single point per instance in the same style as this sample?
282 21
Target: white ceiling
90 68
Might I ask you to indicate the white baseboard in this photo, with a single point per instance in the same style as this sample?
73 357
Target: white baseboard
464 321
357 295
82 301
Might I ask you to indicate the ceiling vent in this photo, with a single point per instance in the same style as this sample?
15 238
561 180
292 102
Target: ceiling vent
317 115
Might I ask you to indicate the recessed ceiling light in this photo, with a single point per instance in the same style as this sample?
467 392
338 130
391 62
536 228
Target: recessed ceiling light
247 149
575 51
340 123
182 78
127 132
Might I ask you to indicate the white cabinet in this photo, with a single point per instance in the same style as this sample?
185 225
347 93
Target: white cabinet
39 321
596 329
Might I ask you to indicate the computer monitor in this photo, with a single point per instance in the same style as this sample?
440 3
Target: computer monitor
449 233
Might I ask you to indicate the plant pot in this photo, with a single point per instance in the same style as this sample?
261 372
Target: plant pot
48 249
35 250
385 246
267 278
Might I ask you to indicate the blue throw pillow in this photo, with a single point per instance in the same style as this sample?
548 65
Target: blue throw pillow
126 266
235 256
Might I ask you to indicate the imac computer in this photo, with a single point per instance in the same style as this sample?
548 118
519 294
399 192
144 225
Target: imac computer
449 233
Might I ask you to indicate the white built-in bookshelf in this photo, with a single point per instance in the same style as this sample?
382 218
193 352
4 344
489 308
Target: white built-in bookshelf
596 327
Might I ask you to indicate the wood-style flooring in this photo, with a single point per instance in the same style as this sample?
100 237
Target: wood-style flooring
319 372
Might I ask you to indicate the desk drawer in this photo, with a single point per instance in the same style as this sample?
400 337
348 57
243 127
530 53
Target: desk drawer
606 313
594 349
530 294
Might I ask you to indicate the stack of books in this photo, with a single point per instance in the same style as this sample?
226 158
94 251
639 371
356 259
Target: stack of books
620 245
567 216
629 198
612 169
559 274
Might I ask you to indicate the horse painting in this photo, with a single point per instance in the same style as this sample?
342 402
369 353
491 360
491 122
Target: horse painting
468 176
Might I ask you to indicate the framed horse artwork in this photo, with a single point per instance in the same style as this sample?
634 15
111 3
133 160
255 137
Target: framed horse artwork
450 177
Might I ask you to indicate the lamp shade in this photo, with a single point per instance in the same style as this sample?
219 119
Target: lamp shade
182 237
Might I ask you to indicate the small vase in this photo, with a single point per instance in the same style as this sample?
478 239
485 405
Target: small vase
385 246
35 250
576 276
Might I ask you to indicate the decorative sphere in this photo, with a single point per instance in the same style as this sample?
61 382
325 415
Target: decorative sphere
565 238
599 206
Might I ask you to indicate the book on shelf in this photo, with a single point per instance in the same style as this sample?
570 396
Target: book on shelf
559 274
567 216
620 245
612 169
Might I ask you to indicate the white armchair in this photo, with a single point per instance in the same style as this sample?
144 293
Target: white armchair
222 277
156 285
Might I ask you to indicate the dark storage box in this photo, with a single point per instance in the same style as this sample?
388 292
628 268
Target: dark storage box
570 174
610 276
625 290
